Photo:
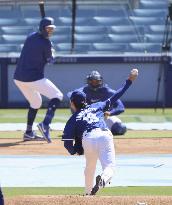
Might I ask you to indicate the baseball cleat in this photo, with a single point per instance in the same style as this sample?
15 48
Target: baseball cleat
32 136
45 131
99 184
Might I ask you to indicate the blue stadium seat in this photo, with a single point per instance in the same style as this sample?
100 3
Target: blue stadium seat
155 29
151 4
149 12
17 29
90 29
124 38
84 12
9 14
33 10
66 21
110 47
153 38
82 47
62 30
145 47
8 48
13 38
63 38
64 48
65 12
6 7
8 21
110 21
146 20
32 21
127 29
112 12
90 38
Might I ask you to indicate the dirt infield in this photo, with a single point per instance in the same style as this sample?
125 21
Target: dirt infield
122 146
90 200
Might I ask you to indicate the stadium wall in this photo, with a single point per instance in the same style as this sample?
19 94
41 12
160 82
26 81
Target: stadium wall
70 73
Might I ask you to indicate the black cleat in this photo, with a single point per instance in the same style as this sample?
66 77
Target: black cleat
99 184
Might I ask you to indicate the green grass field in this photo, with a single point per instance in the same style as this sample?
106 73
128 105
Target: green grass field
130 115
112 191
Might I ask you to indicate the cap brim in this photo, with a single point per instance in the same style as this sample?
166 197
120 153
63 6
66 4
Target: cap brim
51 26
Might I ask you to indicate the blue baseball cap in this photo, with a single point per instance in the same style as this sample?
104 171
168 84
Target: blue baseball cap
78 97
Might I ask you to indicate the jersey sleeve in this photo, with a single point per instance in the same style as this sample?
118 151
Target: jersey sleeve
117 108
69 130
108 103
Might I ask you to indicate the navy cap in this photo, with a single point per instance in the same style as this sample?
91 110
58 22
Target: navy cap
78 97
46 22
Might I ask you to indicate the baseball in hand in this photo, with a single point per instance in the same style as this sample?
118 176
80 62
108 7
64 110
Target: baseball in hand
133 74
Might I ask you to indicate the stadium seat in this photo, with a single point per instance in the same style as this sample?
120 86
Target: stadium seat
150 4
62 30
82 48
145 47
110 47
90 38
66 21
90 29
9 14
110 21
8 48
63 48
8 21
17 29
84 12
112 12
14 38
155 29
6 7
127 29
149 12
34 11
153 38
124 38
32 21
147 20
63 38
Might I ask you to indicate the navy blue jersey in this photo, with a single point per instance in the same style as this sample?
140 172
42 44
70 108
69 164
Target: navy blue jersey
35 54
91 117
102 94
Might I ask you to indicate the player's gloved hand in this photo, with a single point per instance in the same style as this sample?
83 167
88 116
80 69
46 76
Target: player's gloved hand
133 74
106 114
78 149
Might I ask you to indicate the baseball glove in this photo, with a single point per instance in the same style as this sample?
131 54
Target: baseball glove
78 146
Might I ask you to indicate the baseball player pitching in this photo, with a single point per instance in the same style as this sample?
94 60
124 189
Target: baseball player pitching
29 78
87 133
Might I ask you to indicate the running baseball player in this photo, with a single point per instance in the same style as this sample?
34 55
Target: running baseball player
87 128
1 197
29 78
96 90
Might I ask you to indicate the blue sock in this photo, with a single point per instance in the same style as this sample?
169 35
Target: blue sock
53 104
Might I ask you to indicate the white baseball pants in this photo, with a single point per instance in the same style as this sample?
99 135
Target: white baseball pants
33 91
98 144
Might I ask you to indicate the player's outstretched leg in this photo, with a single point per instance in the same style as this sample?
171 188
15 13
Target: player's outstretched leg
29 134
44 126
